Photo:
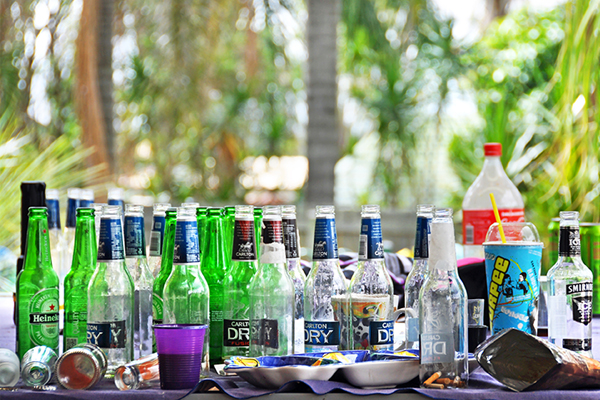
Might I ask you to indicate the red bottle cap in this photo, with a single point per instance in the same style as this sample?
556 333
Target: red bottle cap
492 149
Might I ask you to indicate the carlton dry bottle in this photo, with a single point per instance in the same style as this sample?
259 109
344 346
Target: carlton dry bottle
37 289
291 239
371 290
78 279
325 291
156 236
417 275
111 295
186 295
571 284
135 259
271 293
443 311
236 293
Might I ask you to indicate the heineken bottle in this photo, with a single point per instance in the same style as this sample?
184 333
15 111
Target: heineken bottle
186 296
111 295
258 212
201 219
236 318
325 292
135 259
272 293
156 236
291 239
78 279
166 265
214 266
37 289
371 290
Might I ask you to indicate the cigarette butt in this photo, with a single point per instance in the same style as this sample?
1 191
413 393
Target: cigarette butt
457 382
432 378
435 386
444 381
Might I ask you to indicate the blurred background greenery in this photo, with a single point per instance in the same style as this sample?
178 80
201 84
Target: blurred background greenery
208 100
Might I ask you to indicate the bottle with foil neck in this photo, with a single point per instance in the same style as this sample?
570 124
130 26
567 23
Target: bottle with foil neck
271 293
186 293
571 286
443 309
135 258
291 239
325 290
244 264
371 290
157 236
416 277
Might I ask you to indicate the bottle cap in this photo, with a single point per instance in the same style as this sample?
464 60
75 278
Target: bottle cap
492 149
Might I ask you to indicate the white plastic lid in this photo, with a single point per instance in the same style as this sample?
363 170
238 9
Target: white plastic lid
514 232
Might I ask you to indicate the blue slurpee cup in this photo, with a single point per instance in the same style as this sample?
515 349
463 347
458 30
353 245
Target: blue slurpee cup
512 272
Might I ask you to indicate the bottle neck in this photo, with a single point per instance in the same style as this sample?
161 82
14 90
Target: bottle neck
569 244
215 244
85 246
37 253
166 261
442 254
492 167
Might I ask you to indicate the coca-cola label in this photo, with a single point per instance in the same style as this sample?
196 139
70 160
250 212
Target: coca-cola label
569 242
582 301
187 250
321 333
135 244
53 214
236 332
272 231
381 333
422 237
290 238
371 242
477 222
157 235
244 246
107 335
110 244
325 245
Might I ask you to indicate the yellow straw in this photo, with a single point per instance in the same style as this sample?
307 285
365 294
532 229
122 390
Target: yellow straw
500 229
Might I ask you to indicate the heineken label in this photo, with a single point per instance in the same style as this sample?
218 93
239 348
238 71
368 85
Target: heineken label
568 241
72 205
43 318
272 231
134 236
381 333
290 238
422 238
321 333
437 348
244 246
325 245
107 335
187 250
110 244
371 242
582 301
157 235
236 332
53 214
157 309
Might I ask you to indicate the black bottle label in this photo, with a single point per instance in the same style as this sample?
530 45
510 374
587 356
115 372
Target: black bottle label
381 333
270 333
244 246
272 231
577 344
321 333
582 301
371 243
107 335
290 238
325 246
569 244
236 332
422 238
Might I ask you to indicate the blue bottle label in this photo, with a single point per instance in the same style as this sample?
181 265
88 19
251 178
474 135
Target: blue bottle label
321 333
135 243
381 333
85 203
244 246
110 245
422 237
371 243
107 335
53 213
272 231
290 238
72 205
412 329
157 235
187 250
325 245
437 348
113 202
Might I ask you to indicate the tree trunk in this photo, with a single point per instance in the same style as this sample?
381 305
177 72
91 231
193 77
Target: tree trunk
323 135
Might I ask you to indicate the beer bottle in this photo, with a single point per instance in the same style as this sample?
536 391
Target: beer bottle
157 236
258 212
228 227
73 200
37 289
78 279
201 218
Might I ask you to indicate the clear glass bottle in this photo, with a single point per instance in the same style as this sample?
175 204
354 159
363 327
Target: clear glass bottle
135 259
138 374
271 293
236 293
571 285
10 368
371 290
416 277
97 218
443 310
325 290
115 198
111 295
186 293
291 239
156 236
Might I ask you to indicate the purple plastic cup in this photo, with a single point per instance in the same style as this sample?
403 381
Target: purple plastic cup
179 348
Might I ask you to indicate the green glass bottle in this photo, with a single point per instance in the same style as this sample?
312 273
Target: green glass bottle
37 289
228 226
214 265
236 317
258 215
186 294
77 280
201 219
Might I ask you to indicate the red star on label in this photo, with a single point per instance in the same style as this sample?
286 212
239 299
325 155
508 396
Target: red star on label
52 307
44 231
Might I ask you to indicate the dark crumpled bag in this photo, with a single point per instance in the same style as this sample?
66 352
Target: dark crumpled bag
524 362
